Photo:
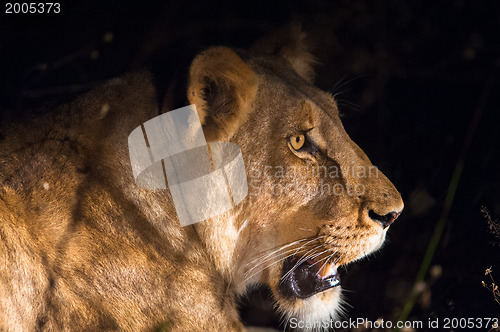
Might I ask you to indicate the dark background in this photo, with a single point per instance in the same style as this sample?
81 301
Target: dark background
410 79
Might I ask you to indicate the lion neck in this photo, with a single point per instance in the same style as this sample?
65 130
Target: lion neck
220 237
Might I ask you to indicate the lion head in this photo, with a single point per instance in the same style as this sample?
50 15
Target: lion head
315 200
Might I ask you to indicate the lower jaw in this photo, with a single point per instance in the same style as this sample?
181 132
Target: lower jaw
303 279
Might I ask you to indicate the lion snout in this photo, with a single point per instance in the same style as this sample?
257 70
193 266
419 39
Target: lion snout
385 220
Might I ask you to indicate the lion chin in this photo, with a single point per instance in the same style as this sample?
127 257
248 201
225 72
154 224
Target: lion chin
317 311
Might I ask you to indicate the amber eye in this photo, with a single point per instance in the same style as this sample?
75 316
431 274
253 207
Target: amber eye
297 141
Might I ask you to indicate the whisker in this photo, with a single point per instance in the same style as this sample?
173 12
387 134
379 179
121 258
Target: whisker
326 262
263 267
267 266
275 250
336 90
304 258
276 255
294 250
300 261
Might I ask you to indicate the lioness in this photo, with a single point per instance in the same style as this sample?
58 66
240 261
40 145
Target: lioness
84 248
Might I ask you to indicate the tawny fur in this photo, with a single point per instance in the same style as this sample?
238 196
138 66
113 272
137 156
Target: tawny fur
83 248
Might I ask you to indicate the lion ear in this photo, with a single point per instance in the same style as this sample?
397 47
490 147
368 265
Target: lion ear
222 86
290 43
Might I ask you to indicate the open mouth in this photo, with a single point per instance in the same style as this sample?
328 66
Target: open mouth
302 279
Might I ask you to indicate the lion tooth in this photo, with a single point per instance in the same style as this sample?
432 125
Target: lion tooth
327 270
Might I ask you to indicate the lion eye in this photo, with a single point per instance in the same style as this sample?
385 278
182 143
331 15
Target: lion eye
297 141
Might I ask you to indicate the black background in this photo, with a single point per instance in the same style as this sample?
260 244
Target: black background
410 77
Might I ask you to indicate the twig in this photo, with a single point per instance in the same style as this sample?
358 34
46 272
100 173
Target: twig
493 287
494 225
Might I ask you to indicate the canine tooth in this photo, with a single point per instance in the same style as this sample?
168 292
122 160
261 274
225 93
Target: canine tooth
327 270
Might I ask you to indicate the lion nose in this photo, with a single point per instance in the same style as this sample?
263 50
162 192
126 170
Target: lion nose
385 220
